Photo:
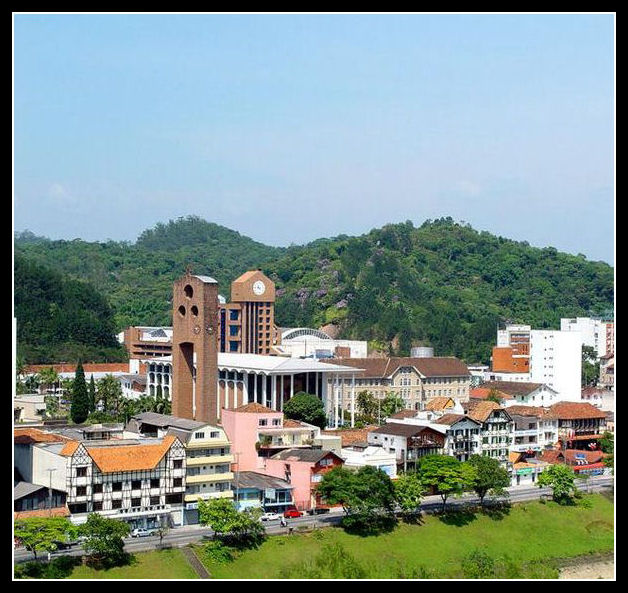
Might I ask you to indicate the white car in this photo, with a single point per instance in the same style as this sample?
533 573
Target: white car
270 517
142 532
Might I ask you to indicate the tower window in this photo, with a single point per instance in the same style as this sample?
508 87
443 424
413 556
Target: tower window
189 291
182 311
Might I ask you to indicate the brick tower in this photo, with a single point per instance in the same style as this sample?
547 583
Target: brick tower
195 348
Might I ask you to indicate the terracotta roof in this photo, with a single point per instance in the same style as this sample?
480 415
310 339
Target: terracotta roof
255 408
450 419
89 367
593 391
552 456
54 512
483 393
439 403
585 437
404 430
26 436
575 411
442 366
514 456
247 276
535 411
69 448
589 456
482 410
513 388
350 436
129 457
289 423
404 414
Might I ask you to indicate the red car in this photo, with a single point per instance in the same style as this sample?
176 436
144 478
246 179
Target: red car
291 513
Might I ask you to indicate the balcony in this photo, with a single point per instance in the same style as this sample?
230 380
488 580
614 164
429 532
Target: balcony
208 495
209 460
209 478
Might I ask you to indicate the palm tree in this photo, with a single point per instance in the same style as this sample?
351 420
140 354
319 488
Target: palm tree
49 377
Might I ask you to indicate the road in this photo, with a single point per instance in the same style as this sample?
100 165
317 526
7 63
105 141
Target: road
182 536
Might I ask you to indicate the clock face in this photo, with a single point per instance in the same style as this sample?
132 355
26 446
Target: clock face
259 288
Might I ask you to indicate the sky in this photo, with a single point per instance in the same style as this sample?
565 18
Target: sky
292 127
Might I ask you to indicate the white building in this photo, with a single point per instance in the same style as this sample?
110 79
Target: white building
556 360
304 342
526 394
534 429
378 457
594 332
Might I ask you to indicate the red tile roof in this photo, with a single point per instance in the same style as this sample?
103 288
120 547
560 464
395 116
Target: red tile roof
513 388
439 404
575 411
450 419
404 414
535 411
351 435
482 410
54 512
26 436
130 457
255 408
483 393
441 366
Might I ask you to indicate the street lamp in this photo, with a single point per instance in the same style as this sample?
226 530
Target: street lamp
50 470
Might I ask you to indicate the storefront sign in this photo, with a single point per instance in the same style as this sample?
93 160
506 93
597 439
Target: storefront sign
191 506
525 470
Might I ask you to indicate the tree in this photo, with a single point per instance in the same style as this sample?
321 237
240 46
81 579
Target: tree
590 366
445 475
49 377
391 404
105 539
307 408
493 396
92 394
367 406
561 479
408 493
225 520
52 406
607 444
42 534
109 392
79 409
490 476
366 495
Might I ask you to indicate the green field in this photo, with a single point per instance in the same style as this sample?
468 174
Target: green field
159 564
522 542
527 536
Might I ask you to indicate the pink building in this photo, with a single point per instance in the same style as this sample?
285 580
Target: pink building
303 469
257 432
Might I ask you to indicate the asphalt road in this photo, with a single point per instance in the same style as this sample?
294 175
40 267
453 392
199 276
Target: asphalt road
182 536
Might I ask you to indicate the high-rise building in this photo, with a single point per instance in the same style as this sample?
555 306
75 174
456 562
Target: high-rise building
595 333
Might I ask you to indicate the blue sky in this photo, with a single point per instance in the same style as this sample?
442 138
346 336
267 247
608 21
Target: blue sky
288 128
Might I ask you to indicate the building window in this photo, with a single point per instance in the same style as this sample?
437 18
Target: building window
98 506
199 435
97 488
81 472
136 502
263 422
116 504
177 464
154 483
81 490
154 500
116 487
177 482
136 484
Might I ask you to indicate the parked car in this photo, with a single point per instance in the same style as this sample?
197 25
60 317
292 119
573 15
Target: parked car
270 517
291 513
140 532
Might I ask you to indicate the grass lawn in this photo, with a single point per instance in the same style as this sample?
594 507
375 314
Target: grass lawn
158 564
528 535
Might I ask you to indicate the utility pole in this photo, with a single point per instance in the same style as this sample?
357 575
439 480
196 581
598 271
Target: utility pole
50 470
237 472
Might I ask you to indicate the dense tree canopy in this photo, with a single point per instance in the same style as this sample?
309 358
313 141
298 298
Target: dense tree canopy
307 408
442 284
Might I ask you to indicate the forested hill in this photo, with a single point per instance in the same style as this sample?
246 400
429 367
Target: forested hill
442 284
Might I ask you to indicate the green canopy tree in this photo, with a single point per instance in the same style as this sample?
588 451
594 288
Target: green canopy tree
446 476
79 409
561 479
367 406
367 495
226 521
49 377
41 534
92 394
104 541
109 393
307 408
490 476
391 404
408 493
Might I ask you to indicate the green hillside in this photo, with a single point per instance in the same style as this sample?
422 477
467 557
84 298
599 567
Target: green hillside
443 284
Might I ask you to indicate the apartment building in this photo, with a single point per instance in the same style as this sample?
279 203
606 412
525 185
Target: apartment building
595 333
462 435
522 393
496 428
534 429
